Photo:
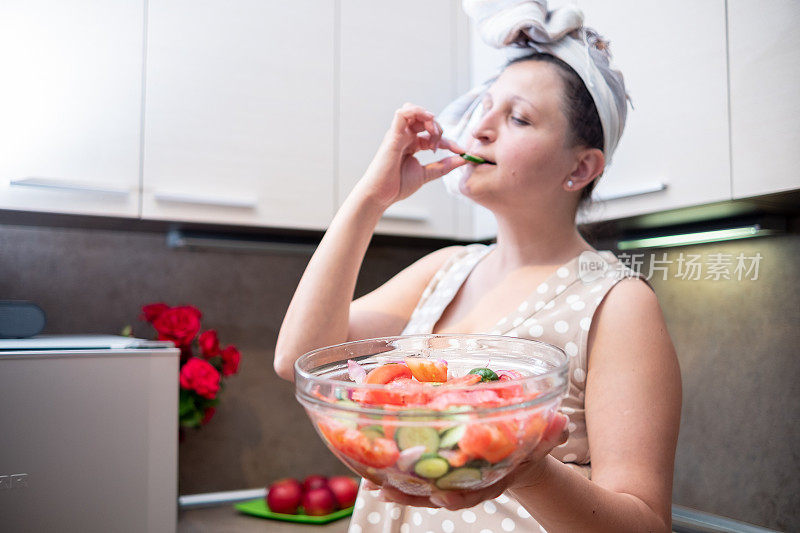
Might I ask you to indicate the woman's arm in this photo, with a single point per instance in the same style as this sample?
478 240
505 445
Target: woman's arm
386 310
319 313
633 403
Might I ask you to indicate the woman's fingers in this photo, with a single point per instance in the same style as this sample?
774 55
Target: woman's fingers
426 142
393 495
418 120
556 433
413 117
429 133
455 500
447 144
437 169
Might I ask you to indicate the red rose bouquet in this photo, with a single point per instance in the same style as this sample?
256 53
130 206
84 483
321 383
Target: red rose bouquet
204 363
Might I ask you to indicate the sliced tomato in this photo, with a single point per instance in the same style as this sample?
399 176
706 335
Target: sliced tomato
458 458
510 390
427 370
379 452
384 375
389 426
413 392
469 379
488 441
387 373
534 426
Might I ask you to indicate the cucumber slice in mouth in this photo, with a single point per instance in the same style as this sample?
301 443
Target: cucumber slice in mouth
476 159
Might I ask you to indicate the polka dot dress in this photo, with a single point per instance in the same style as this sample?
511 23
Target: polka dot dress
559 311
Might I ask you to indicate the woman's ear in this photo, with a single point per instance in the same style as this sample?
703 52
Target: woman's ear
590 164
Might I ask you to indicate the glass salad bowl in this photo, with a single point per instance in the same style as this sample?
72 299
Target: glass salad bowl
425 413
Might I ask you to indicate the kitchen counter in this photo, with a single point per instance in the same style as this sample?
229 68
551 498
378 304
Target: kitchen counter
226 518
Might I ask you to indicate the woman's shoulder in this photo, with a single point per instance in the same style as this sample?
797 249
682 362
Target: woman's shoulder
630 306
630 291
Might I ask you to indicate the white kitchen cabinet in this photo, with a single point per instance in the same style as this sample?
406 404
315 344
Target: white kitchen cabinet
765 99
70 106
675 150
239 125
391 53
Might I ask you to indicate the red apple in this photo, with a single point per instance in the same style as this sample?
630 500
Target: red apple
284 496
345 489
314 482
318 502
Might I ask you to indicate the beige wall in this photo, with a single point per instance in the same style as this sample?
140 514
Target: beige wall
737 343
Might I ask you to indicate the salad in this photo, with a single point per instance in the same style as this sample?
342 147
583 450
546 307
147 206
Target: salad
429 438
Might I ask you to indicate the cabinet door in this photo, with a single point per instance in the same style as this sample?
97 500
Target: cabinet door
70 106
392 53
239 112
674 151
765 100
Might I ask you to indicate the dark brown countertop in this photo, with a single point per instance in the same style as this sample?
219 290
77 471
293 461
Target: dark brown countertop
225 518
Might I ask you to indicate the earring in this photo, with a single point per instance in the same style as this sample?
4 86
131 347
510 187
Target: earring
570 184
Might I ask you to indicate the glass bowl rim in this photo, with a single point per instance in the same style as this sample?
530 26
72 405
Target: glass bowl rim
422 411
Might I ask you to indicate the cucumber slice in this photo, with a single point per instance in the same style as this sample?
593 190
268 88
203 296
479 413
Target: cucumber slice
475 159
478 463
460 478
486 374
451 436
409 436
372 432
341 394
431 466
348 419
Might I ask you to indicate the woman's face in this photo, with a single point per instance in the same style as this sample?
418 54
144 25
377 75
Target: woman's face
524 131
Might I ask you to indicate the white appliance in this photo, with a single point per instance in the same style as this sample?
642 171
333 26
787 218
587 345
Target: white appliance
88 434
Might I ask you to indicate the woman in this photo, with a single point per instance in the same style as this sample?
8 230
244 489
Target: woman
549 139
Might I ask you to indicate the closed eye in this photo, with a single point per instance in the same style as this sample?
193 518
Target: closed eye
519 121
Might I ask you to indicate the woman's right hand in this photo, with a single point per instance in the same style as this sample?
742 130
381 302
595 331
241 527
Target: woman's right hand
394 172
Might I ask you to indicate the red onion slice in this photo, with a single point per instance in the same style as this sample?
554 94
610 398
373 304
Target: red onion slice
356 371
448 454
409 456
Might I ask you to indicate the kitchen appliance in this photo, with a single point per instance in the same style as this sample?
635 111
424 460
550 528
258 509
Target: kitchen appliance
20 319
89 434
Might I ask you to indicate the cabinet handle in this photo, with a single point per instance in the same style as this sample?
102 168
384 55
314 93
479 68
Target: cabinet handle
62 185
408 213
643 188
198 199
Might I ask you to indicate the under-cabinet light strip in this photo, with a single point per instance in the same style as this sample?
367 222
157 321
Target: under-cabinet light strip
696 238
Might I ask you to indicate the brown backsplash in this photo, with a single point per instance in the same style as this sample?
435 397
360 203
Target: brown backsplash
736 339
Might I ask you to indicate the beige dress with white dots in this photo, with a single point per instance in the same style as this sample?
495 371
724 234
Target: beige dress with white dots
559 312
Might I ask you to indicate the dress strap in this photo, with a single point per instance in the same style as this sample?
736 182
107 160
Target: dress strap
443 287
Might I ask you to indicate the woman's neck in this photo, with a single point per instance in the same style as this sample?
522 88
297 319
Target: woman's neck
536 239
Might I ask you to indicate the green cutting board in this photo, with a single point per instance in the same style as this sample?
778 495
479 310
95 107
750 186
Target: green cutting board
259 508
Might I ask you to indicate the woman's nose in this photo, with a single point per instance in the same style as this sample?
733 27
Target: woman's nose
485 130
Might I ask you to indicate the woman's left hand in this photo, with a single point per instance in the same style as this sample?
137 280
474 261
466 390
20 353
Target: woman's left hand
528 473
